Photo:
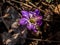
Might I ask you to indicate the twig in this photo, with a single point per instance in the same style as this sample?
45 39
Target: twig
22 3
29 5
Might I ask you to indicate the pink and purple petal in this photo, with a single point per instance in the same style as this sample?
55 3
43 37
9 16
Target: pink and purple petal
25 14
39 23
30 26
30 14
39 17
39 20
37 12
35 30
23 21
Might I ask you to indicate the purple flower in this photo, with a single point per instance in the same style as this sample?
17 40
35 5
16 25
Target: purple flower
31 19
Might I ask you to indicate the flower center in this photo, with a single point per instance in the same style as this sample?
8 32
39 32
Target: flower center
32 20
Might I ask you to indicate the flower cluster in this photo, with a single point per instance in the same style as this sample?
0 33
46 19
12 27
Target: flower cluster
32 20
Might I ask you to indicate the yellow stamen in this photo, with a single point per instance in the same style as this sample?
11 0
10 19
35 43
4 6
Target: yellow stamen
32 20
